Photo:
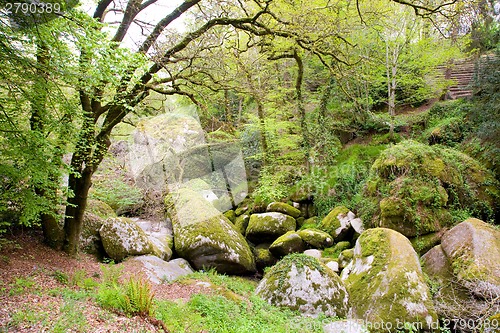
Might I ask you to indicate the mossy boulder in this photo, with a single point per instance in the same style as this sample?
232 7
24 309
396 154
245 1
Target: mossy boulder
241 223
231 216
304 284
415 189
159 271
266 227
263 257
288 243
451 299
316 238
122 237
284 208
338 224
205 237
331 222
386 283
95 214
473 249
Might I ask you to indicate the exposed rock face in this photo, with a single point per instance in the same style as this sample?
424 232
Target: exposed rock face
159 271
206 238
284 208
385 281
412 187
266 227
302 283
286 244
122 237
464 273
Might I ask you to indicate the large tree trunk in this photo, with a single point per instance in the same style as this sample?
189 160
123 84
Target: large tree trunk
75 210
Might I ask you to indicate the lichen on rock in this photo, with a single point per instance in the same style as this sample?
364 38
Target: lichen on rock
385 281
304 284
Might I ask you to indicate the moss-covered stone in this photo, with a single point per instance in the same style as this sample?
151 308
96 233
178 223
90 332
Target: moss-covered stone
266 227
331 222
288 243
473 249
231 216
316 238
100 208
206 238
284 208
263 257
241 223
422 244
385 281
303 284
451 299
416 189
122 237
90 239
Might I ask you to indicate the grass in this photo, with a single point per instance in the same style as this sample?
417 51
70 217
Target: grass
231 307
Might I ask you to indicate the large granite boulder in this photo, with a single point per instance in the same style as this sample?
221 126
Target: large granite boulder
266 227
464 274
205 237
304 284
413 187
386 284
122 237
473 249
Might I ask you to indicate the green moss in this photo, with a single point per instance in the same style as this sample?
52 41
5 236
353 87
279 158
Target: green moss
100 208
231 216
334 252
388 283
268 226
418 189
284 208
331 222
316 238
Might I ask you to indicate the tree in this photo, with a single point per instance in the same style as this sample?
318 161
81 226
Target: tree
110 81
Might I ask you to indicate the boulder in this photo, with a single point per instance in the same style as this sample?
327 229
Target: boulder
473 249
90 239
160 234
263 257
205 237
94 216
231 216
451 299
463 272
122 237
303 284
414 188
338 224
284 208
386 283
266 227
316 238
313 253
241 223
288 243
160 271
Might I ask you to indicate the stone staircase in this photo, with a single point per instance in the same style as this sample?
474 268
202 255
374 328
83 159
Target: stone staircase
461 72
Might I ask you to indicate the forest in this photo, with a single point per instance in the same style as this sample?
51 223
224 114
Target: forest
239 134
